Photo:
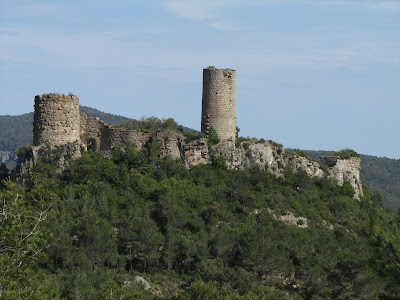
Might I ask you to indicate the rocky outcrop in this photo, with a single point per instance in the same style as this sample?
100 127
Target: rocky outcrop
143 282
345 170
249 153
194 152
6 155
266 155
23 171
169 143
312 168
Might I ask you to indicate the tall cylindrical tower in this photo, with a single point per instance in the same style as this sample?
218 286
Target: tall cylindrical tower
219 102
56 119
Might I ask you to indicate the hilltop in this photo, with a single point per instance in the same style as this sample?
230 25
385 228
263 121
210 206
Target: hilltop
379 174
144 211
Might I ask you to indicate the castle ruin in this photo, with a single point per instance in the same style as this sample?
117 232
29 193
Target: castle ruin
56 120
219 102
59 123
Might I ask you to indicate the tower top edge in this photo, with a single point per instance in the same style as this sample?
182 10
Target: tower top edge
54 96
216 69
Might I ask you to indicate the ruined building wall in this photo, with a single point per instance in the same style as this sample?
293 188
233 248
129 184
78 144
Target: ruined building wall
219 102
92 132
56 119
102 136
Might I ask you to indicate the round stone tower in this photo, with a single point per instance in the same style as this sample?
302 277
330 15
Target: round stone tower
56 119
219 102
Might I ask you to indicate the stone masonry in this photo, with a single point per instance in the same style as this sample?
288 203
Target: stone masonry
56 120
219 102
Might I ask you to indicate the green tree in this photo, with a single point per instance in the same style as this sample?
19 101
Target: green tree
213 137
23 241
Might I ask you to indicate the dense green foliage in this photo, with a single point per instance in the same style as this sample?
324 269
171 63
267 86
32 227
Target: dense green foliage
191 135
204 233
297 152
345 153
380 174
152 124
212 138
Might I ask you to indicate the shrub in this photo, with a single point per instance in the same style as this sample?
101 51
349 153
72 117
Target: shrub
297 152
260 141
346 153
192 135
23 151
151 124
213 137
219 162
248 152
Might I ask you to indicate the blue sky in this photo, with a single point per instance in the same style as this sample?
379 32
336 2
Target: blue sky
321 75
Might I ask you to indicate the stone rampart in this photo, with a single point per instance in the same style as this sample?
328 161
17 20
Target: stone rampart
56 120
219 102
92 132
99 135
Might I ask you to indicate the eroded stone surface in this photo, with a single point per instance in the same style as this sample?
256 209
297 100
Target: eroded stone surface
194 152
312 168
345 170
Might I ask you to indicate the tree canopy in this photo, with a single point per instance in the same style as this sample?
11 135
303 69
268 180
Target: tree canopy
209 232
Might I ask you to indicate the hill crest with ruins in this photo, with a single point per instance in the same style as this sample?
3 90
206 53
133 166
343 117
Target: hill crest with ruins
58 123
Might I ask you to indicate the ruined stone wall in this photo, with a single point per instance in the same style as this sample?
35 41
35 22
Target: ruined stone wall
122 136
92 132
219 102
99 135
56 120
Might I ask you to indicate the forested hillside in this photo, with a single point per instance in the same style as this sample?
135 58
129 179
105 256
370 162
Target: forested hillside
205 233
106 117
380 174
15 131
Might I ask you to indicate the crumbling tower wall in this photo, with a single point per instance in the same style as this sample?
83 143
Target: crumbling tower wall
56 120
219 102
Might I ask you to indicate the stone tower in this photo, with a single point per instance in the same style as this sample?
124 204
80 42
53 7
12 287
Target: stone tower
219 102
56 119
